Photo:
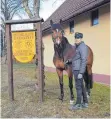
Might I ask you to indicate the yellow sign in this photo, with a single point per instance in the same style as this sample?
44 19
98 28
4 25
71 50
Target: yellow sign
23 45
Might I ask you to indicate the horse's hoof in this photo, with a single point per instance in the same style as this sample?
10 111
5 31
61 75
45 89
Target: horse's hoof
60 98
44 90
71 102
36 86
88 97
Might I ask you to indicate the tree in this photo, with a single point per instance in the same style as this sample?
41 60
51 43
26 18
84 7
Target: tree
31 7
8 9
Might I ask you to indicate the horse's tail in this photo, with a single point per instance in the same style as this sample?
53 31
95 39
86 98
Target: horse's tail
89 79
90 76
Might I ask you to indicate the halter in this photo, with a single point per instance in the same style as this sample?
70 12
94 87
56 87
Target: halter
57 30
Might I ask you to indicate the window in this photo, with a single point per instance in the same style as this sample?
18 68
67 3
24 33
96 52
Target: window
71 24
95 17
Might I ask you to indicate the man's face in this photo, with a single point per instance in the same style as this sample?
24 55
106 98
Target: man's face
77 41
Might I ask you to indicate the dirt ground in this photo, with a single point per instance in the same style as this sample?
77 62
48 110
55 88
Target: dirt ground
27 105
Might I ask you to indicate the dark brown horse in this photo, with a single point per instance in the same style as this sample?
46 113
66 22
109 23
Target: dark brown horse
63 51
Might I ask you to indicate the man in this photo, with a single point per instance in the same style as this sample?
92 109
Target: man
79 66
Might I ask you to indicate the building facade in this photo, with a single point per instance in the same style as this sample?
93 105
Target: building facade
95 25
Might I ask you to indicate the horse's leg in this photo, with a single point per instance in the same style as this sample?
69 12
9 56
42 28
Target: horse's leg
60 75
90 80
70 75
86 80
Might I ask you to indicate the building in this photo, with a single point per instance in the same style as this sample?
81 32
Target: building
92 18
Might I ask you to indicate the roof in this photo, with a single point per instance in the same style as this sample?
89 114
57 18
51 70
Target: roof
71 8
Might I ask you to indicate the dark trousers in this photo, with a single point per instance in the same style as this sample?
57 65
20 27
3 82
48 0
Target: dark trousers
80 89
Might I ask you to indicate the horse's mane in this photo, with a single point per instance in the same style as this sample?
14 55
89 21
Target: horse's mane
65 40
65 43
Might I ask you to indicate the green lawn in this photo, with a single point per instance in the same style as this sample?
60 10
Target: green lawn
27 103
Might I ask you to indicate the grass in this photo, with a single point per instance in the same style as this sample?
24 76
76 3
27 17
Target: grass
27 105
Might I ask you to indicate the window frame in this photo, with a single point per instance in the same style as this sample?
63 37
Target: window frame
71 26
95 17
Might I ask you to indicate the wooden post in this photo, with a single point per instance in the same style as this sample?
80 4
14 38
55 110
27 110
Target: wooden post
40 62
10 61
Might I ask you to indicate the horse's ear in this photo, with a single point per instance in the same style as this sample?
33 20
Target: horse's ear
60 21
51 22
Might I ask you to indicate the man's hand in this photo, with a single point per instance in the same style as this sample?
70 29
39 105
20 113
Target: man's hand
69 61
66 62
80 76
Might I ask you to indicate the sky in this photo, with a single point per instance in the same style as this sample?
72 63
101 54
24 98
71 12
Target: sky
45 12
47 8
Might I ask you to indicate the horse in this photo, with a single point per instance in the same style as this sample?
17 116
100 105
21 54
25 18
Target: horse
63 51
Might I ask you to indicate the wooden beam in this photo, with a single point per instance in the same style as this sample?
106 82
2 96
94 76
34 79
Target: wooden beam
25 21
23 30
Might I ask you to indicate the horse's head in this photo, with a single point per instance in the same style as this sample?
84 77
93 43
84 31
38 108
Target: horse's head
57 32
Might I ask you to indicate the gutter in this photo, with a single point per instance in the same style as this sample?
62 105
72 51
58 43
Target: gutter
87 11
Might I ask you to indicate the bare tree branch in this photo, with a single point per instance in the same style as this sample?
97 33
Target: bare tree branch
27 9
8 9
36 8
32 7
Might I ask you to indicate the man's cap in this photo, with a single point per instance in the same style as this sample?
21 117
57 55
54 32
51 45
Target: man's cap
78 35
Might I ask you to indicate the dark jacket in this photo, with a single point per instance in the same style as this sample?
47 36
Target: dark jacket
80 58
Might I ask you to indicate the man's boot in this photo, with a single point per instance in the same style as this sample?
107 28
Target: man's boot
75 107
84 105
